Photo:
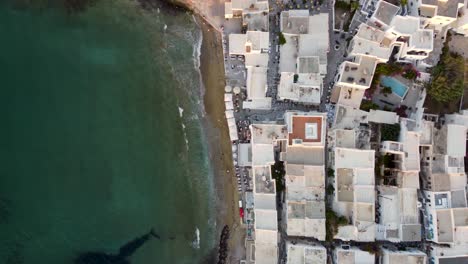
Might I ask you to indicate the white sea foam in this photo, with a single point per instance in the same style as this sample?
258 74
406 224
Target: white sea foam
181 111
196 59
196 241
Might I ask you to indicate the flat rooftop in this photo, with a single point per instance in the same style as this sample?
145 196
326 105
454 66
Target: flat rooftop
306 129
305 176
256 20
385 12
444 8
370 33
304 88
263 181
306 209
345 138
267 133
306 254
256 82
266 253
309 64
297 154
354 158
295 21
266 219
444 227
358 73
354 256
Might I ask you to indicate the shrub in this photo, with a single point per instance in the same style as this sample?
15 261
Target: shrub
390 132
282 39
401 111
342 5
277 173
367 105
330 189
447 78
386 90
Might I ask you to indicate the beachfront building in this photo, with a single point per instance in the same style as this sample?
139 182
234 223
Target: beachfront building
303 61
354 195
304 161
254 46
266 141
448 255
305 254
254 13
409 256
352 255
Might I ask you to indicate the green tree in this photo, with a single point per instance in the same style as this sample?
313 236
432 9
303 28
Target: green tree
390 132
282 39
386 90
354 5
410 74
367 105
447 78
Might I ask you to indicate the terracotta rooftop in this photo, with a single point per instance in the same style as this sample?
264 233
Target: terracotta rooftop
306 128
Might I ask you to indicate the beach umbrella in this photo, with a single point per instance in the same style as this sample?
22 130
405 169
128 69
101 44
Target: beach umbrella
234 147
228 89
237 90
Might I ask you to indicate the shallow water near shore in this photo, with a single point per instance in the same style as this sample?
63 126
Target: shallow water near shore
101 137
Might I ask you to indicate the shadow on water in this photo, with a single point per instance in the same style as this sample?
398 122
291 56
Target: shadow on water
124 252
15 256
5 206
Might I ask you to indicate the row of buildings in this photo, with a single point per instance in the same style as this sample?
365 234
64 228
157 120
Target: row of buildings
405 196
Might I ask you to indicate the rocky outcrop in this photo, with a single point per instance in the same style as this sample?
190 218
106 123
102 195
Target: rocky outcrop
187 4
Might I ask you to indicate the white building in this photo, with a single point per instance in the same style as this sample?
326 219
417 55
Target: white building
352 255
448 255
265 138
303 64
354 193
305 174
439 14
383 15
254 13
305 254
410 256
254 47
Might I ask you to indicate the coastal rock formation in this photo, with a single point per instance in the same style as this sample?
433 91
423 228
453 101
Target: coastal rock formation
187 4
223 245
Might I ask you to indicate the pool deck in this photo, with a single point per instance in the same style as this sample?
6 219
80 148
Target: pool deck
392 100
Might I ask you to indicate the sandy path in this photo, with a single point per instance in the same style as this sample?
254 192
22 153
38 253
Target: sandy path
212 69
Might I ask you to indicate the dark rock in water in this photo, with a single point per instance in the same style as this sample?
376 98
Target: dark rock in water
223 246
74 6
169 6
124 252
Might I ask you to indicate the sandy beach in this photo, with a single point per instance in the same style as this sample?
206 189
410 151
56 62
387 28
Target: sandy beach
212 70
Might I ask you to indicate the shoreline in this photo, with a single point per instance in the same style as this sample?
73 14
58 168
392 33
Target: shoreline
219 144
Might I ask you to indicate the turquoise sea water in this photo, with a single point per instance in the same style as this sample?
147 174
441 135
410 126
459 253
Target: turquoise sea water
93 148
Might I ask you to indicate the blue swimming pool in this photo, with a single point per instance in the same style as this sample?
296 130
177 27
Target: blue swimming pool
397 87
